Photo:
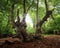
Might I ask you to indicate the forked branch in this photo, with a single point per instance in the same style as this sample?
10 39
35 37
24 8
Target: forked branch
47 15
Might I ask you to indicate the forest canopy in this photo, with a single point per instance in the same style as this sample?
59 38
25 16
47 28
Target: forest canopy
33 9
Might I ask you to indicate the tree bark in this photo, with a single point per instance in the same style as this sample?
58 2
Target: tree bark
23 23
20 27
37 18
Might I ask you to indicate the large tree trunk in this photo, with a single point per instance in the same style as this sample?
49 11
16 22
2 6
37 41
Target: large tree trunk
16 25
23 28
20 27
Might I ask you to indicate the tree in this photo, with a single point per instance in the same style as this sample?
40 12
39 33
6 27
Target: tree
48 14
22 7
20 27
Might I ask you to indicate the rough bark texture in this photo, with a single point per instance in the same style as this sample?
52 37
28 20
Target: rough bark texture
18 26
23 21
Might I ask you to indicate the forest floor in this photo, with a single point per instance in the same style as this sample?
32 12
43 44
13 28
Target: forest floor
46 42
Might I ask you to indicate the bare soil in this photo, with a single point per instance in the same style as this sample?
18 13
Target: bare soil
46 42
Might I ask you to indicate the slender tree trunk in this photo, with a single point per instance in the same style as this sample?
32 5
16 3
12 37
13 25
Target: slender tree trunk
37 18
38 31
37 12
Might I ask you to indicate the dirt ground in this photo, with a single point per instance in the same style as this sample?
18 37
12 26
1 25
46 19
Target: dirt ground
46 42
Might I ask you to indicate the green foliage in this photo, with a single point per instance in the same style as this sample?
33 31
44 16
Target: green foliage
52 25
29 29
48 27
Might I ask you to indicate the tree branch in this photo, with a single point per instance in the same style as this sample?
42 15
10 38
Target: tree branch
30 6
46 5
48 14
24 8
18 18
37 20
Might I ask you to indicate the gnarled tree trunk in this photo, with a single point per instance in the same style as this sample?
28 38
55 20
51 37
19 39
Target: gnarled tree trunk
17 25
